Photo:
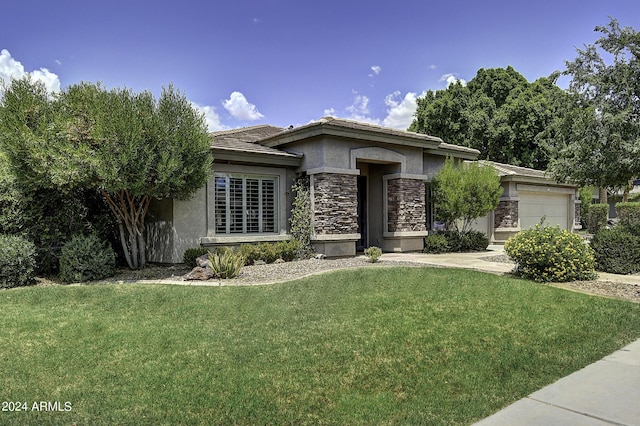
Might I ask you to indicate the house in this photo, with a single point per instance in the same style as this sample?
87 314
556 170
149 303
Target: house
370 185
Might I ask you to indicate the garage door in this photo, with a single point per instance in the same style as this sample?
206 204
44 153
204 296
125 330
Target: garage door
533 205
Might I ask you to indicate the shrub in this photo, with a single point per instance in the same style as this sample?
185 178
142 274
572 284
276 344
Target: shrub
226 265
628 213
17 261
191 254
270 252
288 250
86 258
466 241
546 253
474 241
596 218
616 250
436 243
373 253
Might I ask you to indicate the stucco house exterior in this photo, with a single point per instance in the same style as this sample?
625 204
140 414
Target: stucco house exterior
370 185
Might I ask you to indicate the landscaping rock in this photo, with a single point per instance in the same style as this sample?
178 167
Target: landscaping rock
199 274
203 261
259 262
279 260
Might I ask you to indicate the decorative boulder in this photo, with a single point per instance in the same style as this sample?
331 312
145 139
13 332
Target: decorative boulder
199 274
203 261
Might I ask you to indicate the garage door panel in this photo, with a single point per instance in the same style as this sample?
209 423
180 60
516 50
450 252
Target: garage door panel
533 206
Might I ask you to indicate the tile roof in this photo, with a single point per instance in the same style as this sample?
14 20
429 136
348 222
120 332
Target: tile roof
509 170
245 139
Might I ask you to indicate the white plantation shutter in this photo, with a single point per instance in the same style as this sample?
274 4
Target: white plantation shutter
268 206
245 204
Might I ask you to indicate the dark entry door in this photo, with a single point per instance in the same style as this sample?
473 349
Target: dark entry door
363 242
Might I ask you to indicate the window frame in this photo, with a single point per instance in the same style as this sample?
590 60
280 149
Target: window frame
227 224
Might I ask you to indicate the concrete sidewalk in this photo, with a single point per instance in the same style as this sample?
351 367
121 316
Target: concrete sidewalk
606 392
480 261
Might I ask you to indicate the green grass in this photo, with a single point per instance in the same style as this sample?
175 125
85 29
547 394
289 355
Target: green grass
370 346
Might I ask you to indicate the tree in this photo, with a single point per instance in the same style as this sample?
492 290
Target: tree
128 146
498 113
465 192
599 143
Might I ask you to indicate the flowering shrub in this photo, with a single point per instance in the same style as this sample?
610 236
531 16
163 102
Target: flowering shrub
546 253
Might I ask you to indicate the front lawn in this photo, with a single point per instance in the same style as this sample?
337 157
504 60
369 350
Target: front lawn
367 346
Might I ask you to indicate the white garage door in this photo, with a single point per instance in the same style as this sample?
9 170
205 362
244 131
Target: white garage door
534 205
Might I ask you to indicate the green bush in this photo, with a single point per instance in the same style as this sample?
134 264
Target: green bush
436 243
191 254
546 253
373 253
270 252
616 251
475 241
226 265
17 261
288 250
596 217
86 258
466 241
628 213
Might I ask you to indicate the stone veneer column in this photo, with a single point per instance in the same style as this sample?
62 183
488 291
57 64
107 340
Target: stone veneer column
406 205
506 214
335 204
577 219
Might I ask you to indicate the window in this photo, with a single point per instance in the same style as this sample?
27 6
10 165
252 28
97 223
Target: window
245 204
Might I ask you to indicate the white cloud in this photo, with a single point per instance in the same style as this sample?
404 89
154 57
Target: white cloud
329 112
359 109
240 108
451 78
401 110
432 67
211 116
376 69
10 68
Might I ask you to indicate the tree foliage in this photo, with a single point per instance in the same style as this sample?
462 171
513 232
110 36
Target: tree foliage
498 113
128 146
599 142
465 192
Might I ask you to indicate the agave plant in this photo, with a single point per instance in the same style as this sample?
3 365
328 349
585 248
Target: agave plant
226 265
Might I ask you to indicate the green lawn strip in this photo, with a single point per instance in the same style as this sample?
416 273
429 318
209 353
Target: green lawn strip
368 346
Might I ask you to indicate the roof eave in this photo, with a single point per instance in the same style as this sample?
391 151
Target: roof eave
237 156
333 129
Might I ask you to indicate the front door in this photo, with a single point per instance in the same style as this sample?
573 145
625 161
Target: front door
363 242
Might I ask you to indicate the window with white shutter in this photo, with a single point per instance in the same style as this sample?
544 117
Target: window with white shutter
245 204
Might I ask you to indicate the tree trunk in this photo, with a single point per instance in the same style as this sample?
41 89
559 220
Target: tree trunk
603 195
130 212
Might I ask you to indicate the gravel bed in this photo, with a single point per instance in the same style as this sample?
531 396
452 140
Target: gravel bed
279 272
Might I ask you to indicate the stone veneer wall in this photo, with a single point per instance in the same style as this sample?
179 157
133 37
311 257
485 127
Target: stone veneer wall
577 220
335 203
406 205
506 215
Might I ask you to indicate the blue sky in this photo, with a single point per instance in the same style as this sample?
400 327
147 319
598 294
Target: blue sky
290 62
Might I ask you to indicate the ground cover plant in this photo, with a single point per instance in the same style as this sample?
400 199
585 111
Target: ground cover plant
366 346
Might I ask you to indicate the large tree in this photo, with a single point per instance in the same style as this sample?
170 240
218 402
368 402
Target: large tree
129 146
499 113
599 143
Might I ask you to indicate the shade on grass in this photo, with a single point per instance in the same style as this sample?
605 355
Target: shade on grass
369 346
